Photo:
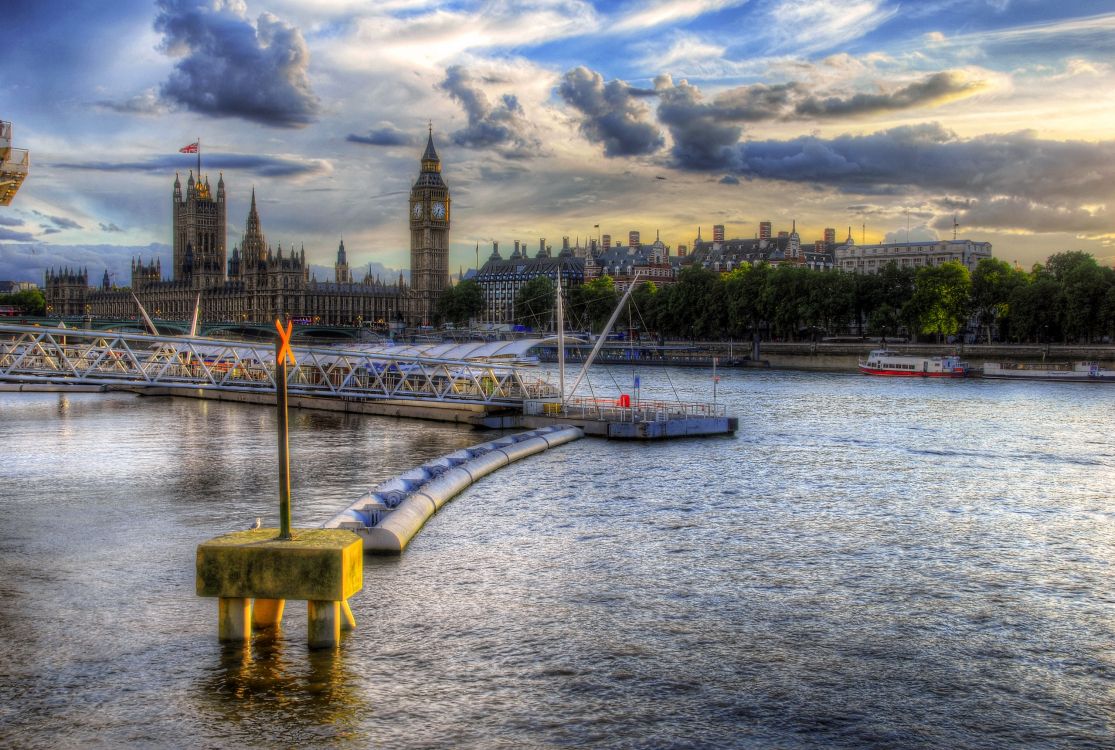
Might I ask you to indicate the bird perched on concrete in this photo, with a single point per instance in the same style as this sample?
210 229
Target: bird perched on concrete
256 525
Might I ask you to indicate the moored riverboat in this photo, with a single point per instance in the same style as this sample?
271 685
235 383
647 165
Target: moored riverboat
885 362
1074 372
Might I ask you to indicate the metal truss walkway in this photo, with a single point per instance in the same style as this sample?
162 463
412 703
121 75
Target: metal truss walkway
32 354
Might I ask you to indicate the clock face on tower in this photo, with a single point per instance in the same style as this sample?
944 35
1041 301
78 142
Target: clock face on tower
416 211
438 210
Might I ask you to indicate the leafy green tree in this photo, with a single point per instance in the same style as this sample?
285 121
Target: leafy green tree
993 282
534 304
644 306
697 304
831 300
461 303
594 301
1107 318
787 297
1034 310
941 298
1060 265
30 301
884 322
1084 288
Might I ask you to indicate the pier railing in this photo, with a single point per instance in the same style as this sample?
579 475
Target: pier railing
57 355
624 410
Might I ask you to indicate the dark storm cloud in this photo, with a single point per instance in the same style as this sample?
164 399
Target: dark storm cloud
502 126
705 132
703 137
930 158
611 113
265 166
387 135
729 180
230 68
933 89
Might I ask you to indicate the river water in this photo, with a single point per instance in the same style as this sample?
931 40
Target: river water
868 563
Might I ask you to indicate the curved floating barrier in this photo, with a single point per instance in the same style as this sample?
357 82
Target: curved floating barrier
388 516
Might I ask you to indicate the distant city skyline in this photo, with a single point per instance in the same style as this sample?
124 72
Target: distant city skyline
561 118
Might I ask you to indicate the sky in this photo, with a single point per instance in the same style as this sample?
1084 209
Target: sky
560 118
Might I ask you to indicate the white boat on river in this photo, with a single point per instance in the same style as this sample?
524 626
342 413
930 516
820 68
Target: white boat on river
1076 372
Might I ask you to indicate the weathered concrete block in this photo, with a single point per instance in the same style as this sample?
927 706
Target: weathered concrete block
317 565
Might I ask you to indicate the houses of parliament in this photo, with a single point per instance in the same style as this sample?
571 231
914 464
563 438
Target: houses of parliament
260 283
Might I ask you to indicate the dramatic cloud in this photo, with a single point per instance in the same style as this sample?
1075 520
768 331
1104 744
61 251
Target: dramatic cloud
230 68
10 221
61 222
613 114
703 130
729 180
502 126
703 137
147 103
385 135
265 166
13 236
757 102
919 233
929 157
936 89
1031 216
110 227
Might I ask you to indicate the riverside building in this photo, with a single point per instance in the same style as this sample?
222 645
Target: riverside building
855 258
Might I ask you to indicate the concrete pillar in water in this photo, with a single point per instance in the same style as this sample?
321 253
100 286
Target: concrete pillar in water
267 613
348 622
234 620
323 629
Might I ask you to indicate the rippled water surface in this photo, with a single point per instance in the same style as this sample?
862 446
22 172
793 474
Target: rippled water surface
868 563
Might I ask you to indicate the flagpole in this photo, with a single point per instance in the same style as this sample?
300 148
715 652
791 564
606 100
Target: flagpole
199 158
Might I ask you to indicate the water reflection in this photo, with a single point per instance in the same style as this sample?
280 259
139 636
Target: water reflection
274 688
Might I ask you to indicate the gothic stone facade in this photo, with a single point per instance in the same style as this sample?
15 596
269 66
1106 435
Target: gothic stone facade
260 283
429 237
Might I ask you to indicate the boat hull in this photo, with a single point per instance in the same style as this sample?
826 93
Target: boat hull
909 374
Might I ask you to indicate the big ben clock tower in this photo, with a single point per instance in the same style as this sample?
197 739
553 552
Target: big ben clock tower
429 236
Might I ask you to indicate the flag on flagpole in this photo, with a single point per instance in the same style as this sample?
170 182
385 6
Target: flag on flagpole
190 149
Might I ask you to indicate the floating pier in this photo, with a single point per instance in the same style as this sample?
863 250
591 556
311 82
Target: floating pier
388 516
622 419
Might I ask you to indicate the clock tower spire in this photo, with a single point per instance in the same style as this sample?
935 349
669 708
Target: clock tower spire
429 236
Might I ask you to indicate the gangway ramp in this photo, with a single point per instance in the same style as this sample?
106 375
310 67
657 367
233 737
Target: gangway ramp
331 378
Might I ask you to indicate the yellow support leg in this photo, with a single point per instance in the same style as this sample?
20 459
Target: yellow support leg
348 622
267 613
